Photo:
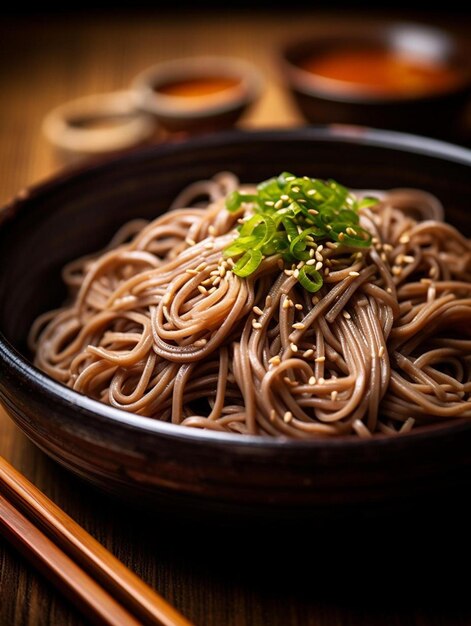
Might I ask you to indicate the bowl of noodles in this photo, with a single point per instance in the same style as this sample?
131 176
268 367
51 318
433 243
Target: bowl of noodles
260 323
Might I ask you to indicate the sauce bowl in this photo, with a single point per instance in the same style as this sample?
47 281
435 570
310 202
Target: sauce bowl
435 111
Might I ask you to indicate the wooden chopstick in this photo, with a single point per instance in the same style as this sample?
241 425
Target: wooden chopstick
81 567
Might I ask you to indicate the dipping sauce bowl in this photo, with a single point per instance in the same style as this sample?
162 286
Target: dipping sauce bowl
392 75
197 94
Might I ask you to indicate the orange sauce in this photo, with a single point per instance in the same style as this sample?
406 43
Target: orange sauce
197 87
382 71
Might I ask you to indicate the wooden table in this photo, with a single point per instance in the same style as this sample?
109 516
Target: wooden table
45 62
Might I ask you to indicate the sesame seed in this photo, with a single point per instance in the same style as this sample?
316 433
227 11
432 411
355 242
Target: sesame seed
290 303
320 359
268 301
286 303
284 197
257 310
397 271
321 381
293 347
191 271
341 236
190 242
202 289
400 259
288 272
351 231
381 351
212 290
299 326
301 201
269 203
404 238
211 230
275 360
319 265
354 274
287 417
206 281
272 415
313 212
201 266
312 380
296 273
389 290
383 256
315 299
433 272
256 324
209 245
311 253
296 189
199 343
333 395
290 178
216 280
346 315
311 192
167 298
426 281
298 306
326 271
332 245
320 248
408 258
308 353
311 261
222 271
278 204
319 256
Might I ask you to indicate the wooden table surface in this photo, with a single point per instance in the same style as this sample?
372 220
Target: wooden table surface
44 62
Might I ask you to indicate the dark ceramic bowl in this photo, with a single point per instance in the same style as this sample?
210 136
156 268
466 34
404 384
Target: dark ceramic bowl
325 101
182 469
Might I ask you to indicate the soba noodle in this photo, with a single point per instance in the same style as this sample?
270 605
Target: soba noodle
157 324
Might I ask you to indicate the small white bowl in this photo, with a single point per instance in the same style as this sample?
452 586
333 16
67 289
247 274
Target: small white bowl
197 113
121 126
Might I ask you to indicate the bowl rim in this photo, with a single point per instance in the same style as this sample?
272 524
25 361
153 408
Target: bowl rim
317 86
40 382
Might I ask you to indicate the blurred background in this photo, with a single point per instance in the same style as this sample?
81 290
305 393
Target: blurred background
51 57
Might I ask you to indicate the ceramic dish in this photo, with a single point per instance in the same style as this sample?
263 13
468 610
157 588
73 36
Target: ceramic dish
438 111
171 467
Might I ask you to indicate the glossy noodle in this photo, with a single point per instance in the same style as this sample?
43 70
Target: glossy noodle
158 324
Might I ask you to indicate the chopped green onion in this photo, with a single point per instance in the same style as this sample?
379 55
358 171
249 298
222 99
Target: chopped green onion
291 216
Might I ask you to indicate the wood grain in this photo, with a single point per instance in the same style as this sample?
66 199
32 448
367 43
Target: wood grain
213 577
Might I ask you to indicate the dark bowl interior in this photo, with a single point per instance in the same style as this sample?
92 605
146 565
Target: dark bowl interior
439 114
169 466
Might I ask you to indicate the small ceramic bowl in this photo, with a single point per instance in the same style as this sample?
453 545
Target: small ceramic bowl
97 125
197 94
322 99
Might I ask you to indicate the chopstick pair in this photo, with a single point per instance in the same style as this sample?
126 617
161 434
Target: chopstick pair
99 585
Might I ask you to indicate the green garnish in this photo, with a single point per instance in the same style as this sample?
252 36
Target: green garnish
292 216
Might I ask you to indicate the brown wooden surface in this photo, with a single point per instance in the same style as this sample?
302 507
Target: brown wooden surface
44 62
